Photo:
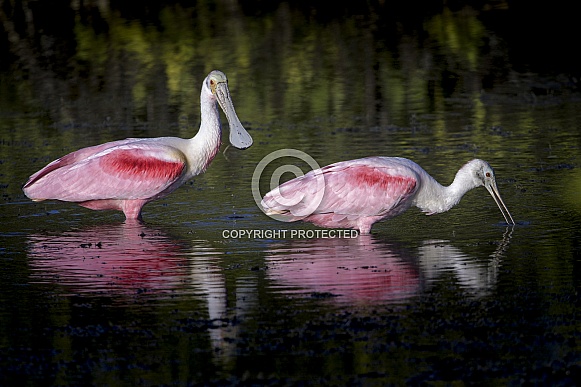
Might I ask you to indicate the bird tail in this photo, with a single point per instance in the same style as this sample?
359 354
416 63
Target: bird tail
271 211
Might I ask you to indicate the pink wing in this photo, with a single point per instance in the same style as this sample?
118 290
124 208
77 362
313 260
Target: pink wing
352 190
74 157
120 170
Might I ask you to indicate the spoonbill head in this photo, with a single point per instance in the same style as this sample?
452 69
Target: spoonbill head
358 193
482 174
216 84
127 174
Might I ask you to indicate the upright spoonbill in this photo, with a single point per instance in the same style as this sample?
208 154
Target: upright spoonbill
358 193
125 175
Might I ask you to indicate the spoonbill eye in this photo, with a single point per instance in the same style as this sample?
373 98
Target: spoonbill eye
488 174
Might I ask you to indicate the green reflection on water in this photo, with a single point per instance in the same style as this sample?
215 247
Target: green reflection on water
461 35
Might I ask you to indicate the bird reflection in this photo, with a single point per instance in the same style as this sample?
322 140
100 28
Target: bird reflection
222 310
437 257
360 270
367 270
120 260
125 258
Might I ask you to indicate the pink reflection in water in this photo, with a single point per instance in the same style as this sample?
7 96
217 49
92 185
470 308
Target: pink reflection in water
125 258
360 270
366 270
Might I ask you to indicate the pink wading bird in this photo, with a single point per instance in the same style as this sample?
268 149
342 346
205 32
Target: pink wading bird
127 174
358 193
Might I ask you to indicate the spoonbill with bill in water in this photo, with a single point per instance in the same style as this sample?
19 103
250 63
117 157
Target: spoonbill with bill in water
125 175
358 193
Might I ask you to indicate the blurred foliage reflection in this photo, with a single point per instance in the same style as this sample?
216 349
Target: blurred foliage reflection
127 64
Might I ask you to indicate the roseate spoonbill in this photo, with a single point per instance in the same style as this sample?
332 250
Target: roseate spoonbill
127 174
358 193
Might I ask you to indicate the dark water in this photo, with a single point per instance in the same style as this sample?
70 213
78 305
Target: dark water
188 299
